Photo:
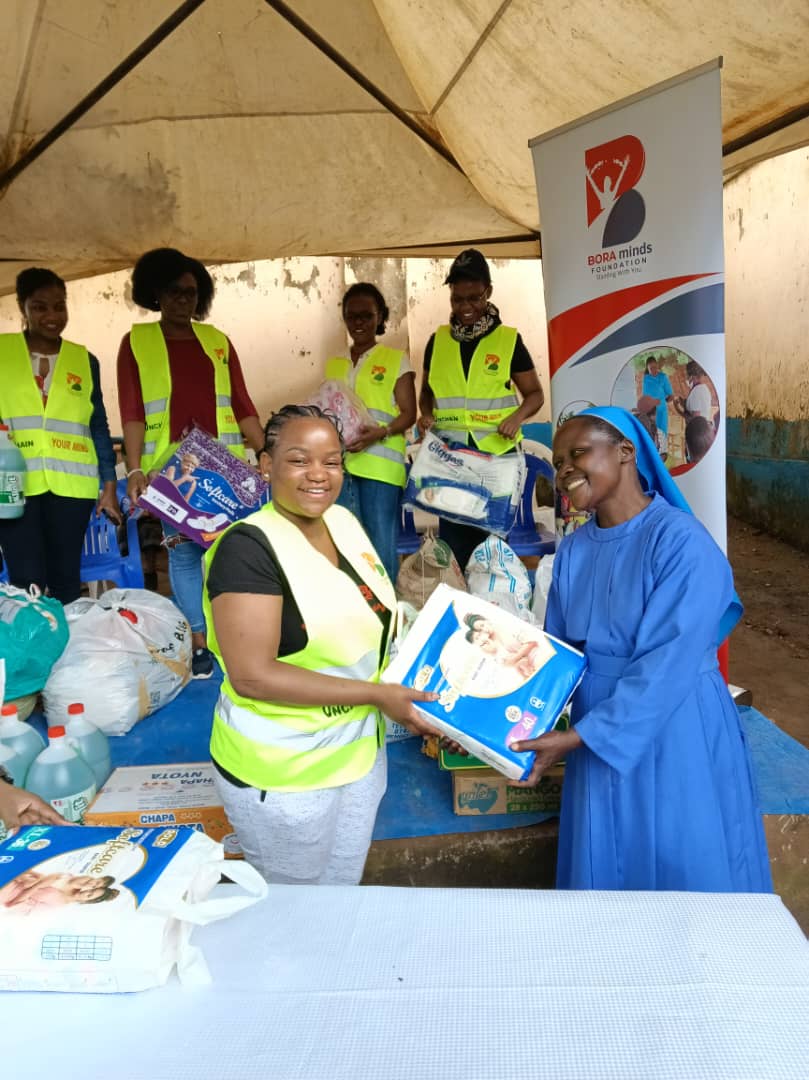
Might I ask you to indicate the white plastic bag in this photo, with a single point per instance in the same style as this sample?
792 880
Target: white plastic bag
423 571
340 400
466 485
542 587
129 654
496 574
108 910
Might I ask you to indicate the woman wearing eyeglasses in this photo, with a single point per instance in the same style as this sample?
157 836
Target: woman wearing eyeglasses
171 374
472 366
382 378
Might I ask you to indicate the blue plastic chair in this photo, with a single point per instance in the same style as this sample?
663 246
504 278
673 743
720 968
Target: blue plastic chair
525 538
101 557
408 540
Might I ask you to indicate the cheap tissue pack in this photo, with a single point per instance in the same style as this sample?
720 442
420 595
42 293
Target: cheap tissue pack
499 679
203 488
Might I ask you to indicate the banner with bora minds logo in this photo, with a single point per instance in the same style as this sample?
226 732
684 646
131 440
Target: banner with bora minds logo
630 204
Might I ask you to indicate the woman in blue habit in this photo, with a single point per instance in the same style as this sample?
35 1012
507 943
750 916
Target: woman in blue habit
658 791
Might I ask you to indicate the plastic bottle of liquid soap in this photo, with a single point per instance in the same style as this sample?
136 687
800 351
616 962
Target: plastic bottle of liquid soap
61 778
19 737
12 477
90 744
13 764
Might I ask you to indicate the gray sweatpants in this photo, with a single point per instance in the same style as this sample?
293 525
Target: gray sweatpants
318 837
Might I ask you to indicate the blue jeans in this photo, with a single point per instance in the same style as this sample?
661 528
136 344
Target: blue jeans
185 575
376 504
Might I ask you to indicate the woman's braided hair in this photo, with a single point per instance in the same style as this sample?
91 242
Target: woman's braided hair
274 426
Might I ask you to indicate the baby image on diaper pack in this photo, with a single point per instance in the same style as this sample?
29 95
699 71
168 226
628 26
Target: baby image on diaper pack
62 868
498 678
203 488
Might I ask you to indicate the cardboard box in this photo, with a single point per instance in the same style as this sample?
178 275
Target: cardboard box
165 795
481 791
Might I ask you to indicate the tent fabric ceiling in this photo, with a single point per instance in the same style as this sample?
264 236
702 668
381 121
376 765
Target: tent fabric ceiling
237 139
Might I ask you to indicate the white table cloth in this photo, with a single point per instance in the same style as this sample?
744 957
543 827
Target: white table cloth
416 984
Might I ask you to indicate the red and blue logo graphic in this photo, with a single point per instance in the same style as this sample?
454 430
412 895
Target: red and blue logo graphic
612 171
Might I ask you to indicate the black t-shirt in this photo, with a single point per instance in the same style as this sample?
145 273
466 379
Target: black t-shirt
246 563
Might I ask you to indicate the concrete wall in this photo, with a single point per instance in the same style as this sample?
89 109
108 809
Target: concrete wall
767 318
283 316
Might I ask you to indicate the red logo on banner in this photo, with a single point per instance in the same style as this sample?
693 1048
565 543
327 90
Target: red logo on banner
611 172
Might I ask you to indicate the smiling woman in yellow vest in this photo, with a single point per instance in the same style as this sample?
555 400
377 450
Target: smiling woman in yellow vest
172 374
473 368
50 398
299 612
383 379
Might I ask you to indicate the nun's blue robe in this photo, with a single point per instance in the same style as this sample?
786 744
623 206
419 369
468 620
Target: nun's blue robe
660 796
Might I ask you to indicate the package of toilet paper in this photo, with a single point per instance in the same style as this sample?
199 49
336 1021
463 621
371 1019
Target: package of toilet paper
203 488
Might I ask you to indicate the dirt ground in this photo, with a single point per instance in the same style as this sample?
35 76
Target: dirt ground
769 649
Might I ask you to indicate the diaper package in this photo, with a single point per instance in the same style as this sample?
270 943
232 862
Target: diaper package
105 910
499 679
466 485
203 488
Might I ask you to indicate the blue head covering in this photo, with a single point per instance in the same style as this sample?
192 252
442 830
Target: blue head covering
656 477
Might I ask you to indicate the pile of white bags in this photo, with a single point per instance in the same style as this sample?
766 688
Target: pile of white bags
496 574
106 910
542 587
129 654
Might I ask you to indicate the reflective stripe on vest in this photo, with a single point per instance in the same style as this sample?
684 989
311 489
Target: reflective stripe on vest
290 747
151 355
375 383
476 404
54 439
261 729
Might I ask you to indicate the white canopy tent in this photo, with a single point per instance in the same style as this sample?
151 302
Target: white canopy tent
369 126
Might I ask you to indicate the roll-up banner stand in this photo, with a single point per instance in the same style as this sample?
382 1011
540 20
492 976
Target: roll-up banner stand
630 203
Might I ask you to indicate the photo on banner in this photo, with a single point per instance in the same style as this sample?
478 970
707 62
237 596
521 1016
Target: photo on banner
630 205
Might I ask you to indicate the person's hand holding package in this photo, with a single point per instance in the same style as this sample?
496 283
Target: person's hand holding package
550 748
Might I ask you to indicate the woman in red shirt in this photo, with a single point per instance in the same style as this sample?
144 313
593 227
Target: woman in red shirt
182 290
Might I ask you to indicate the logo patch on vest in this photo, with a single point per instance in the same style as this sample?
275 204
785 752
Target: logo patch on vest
220 355
378 373
372 562
492 364
74 381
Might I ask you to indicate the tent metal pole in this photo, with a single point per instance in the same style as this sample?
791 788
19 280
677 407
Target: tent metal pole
167 27
311 35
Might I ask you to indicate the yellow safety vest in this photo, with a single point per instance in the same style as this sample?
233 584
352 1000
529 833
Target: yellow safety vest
479 403
152 357
285 747
54 439
374 385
